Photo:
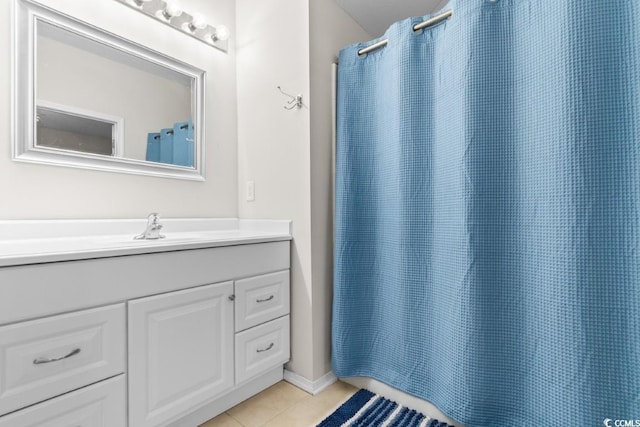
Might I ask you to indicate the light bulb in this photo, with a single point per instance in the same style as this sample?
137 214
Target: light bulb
197 23
171 10
220 34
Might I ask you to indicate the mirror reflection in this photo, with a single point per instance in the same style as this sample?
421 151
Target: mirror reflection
88 98
97 82
56 128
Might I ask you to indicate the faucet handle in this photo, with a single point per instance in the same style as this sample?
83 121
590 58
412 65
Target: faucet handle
153 218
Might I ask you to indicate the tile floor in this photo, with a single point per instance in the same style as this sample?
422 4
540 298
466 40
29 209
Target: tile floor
284 405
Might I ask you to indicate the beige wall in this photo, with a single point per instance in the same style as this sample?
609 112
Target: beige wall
38 191
288 153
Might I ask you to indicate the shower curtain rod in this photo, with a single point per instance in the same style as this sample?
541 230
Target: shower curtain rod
424 25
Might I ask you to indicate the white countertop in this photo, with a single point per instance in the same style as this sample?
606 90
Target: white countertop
40 241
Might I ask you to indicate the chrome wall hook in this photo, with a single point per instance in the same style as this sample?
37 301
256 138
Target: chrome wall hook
294 102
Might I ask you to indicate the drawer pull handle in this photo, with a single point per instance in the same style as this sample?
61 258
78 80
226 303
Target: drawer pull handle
264 299
43 360
262 350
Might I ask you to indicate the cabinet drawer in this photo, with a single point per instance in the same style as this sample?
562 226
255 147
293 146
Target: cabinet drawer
261 298
99 405
262 348
43 358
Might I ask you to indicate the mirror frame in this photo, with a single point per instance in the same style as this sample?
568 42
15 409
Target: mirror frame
26 17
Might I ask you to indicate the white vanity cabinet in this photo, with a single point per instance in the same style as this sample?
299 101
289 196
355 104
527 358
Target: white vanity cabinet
161 339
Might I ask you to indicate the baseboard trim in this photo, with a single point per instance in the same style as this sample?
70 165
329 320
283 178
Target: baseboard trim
312 387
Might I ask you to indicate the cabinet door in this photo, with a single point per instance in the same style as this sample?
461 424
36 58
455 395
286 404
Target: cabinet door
180 352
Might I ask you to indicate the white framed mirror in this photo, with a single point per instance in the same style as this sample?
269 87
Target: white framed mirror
89 99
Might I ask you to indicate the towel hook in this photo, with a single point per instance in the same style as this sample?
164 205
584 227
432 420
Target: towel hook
294 102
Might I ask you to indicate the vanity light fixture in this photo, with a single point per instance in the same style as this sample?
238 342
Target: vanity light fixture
171 9
221 33
195 25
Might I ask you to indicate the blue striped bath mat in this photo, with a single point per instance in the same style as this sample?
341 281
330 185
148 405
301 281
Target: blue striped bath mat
366 409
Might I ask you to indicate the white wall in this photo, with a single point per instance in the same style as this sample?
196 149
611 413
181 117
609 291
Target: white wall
330 30
39 191
288 153
274 144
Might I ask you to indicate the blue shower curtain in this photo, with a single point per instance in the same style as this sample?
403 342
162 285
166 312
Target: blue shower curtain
487 230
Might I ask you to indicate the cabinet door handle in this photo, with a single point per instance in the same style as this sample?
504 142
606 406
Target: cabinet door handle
265 299
43 360
262 350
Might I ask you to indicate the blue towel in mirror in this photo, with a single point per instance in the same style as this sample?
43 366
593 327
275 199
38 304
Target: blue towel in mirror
153 147
183 144
166 145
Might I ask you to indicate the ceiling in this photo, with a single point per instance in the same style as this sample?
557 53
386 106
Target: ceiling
375 16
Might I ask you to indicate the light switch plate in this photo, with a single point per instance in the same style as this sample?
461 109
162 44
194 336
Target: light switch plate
251 191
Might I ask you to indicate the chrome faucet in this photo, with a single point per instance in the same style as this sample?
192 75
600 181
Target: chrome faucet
152 231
